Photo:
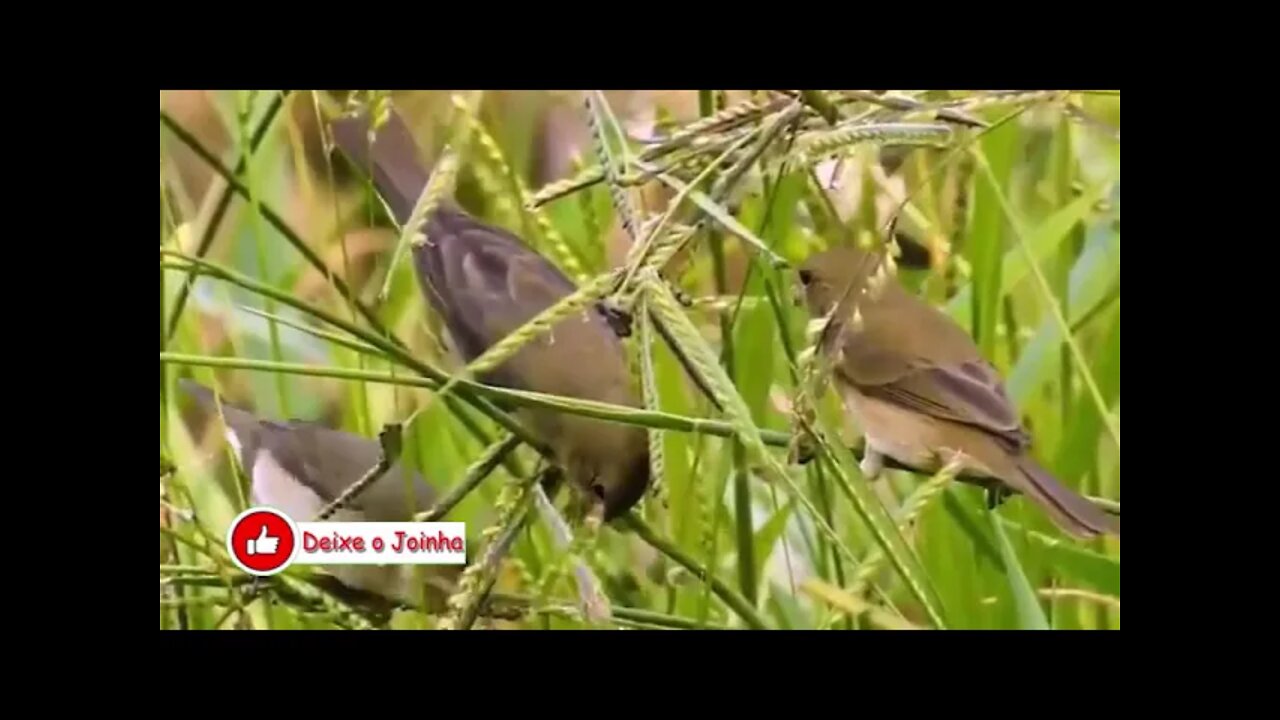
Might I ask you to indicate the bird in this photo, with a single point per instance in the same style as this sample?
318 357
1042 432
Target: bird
922 393
485 282
299 467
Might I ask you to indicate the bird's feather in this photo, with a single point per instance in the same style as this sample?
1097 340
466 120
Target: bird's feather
319 458
923 392
485 283
1069 510
928 365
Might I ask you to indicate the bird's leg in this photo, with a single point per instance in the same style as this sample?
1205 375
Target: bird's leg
618 318
872 464
255 589
996 495
801 451
593 519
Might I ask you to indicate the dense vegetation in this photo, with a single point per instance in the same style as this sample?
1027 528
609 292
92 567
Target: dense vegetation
1005 212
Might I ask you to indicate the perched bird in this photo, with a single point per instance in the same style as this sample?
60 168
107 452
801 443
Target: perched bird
921 392
485 283
300 467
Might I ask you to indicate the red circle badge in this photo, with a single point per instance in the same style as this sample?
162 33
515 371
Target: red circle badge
262 541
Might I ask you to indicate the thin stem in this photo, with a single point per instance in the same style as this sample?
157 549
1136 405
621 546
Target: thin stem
260 240
741 488
596 108
396 352
1108 600
360 392
390 441
220 211
476 474
1043 285
334 338
521 398
278 223
730 597
479 579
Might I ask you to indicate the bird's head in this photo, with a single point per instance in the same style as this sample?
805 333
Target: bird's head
826 276
620 485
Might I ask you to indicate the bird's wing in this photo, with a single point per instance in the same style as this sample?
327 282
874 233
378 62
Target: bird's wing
486 284
967 391
329 461
293 447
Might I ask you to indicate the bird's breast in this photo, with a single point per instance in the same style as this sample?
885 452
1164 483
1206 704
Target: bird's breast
890 430
918 440
275 486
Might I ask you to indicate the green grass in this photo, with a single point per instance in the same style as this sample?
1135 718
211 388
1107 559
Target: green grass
293 312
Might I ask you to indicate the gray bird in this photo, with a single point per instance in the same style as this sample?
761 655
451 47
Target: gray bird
299 467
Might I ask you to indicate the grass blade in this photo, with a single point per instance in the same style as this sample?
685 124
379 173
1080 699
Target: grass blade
220 211
276 222
1042 243
389 346
722 216
334 338
854 605
739 416
1043 285
1094 569
986 243
731 598
766 538
1094 279
1030 614
438 185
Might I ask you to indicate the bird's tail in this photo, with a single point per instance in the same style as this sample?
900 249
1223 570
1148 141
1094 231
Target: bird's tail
1069 510
391 158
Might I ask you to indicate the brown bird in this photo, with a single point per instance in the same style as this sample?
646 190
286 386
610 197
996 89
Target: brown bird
485 283
921 392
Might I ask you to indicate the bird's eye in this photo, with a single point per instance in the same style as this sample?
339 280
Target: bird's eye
806 276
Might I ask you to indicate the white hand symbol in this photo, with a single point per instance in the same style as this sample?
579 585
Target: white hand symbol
263 545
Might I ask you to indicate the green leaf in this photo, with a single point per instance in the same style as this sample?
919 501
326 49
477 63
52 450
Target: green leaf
1071 561
986 242
959 553
1094 276
678 448
883 528
1079 449
1042 242
791 615
755 327
1030 614
767 536
730 223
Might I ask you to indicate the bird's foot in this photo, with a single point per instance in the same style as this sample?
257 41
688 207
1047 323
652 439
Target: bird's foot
593 519
618 318
996 495
872 464
802 450
256 586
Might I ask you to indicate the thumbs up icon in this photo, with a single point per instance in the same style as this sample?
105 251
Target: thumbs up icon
263 544
262 541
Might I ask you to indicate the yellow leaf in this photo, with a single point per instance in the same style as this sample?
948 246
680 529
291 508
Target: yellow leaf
853 605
